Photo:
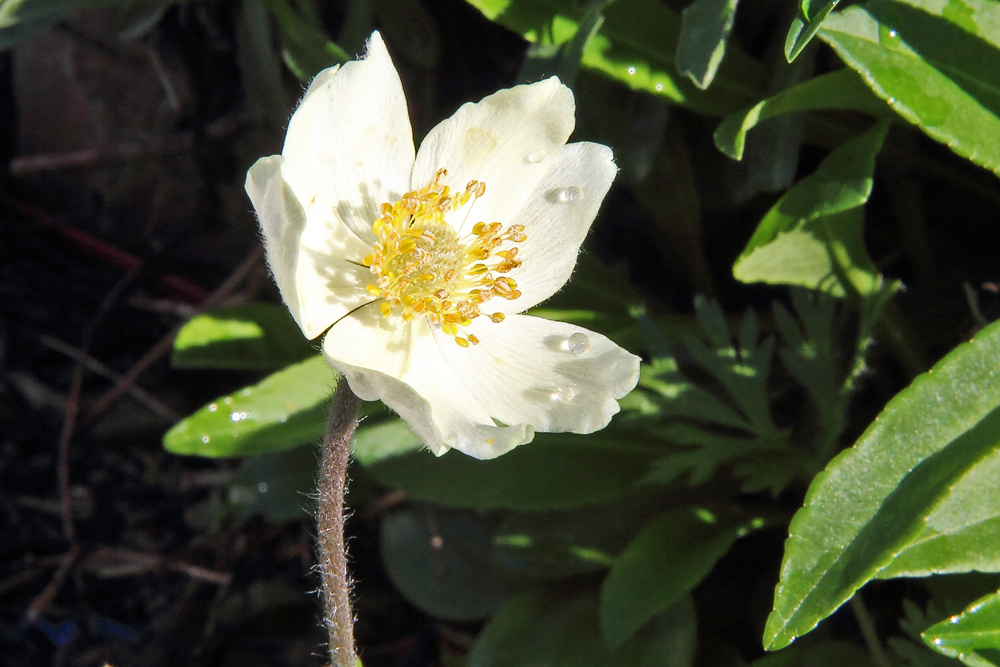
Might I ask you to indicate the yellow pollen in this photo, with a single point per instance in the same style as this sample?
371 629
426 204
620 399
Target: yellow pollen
421 266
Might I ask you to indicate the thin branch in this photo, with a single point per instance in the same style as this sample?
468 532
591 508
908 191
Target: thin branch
335 456
868 631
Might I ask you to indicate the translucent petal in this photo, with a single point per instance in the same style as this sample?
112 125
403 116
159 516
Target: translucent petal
556 219
349 145
555 376
398 363
508 141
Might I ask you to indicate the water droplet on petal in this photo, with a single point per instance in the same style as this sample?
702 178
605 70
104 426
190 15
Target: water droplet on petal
569 195
563 395
536 157
631 70
262 487
205 439
577 343
212 407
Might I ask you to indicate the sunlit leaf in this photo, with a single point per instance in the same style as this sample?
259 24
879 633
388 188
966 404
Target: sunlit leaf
813 237
842 89
805 25
936 63
973 636
704 35
929 462
636 45
286 409
253 336
668 558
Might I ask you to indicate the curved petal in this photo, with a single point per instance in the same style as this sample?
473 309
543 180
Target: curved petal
556 376
508 141
398 363
349 145
556 219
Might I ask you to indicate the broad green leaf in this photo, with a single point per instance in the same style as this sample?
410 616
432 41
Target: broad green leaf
805 25
936 63
562 60
383 440
973 636
253 336
556 471
842 89
668 558
928 462
560 628
636 45
286 409
813 237
443 561
281 486
307 49
705 31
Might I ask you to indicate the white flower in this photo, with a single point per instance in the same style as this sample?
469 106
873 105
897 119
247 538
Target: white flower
417 265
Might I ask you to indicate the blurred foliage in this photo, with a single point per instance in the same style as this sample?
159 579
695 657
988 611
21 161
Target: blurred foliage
592 550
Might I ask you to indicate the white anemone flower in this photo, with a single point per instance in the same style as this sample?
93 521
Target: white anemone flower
418 264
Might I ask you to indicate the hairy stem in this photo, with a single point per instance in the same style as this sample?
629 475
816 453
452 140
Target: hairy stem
336 453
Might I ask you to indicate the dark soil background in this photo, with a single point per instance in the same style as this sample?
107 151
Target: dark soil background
122 214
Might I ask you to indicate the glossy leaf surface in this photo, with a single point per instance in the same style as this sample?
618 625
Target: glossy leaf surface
928 462
973 636
805 25
285 410
936 63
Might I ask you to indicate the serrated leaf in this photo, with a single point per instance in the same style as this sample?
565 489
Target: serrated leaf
937 64
842 89
252 336
635 45
705 29
285 410
813 236
556 471
973 636
805 25
669 556
929 461
561 628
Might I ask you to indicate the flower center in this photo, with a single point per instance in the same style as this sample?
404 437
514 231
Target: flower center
422 267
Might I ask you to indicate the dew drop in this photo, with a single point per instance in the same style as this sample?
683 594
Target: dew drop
262 487
937 641
891 100
238 416
563 395
205 439
892 33
228 400
536 157
569 195
577 343
212 407
631 70
659 87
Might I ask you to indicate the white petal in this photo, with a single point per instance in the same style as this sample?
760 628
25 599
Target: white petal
399 363
508 141
556 376
281 222
349 145
556 219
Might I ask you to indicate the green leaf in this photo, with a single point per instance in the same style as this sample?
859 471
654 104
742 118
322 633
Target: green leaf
286 409
252 336
280 486
668 558
842 89
936 63
443 562
556 471
705 31
973 636
553 627
805 25
635 45
308 50
260 67
374 442
929 462
813 236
